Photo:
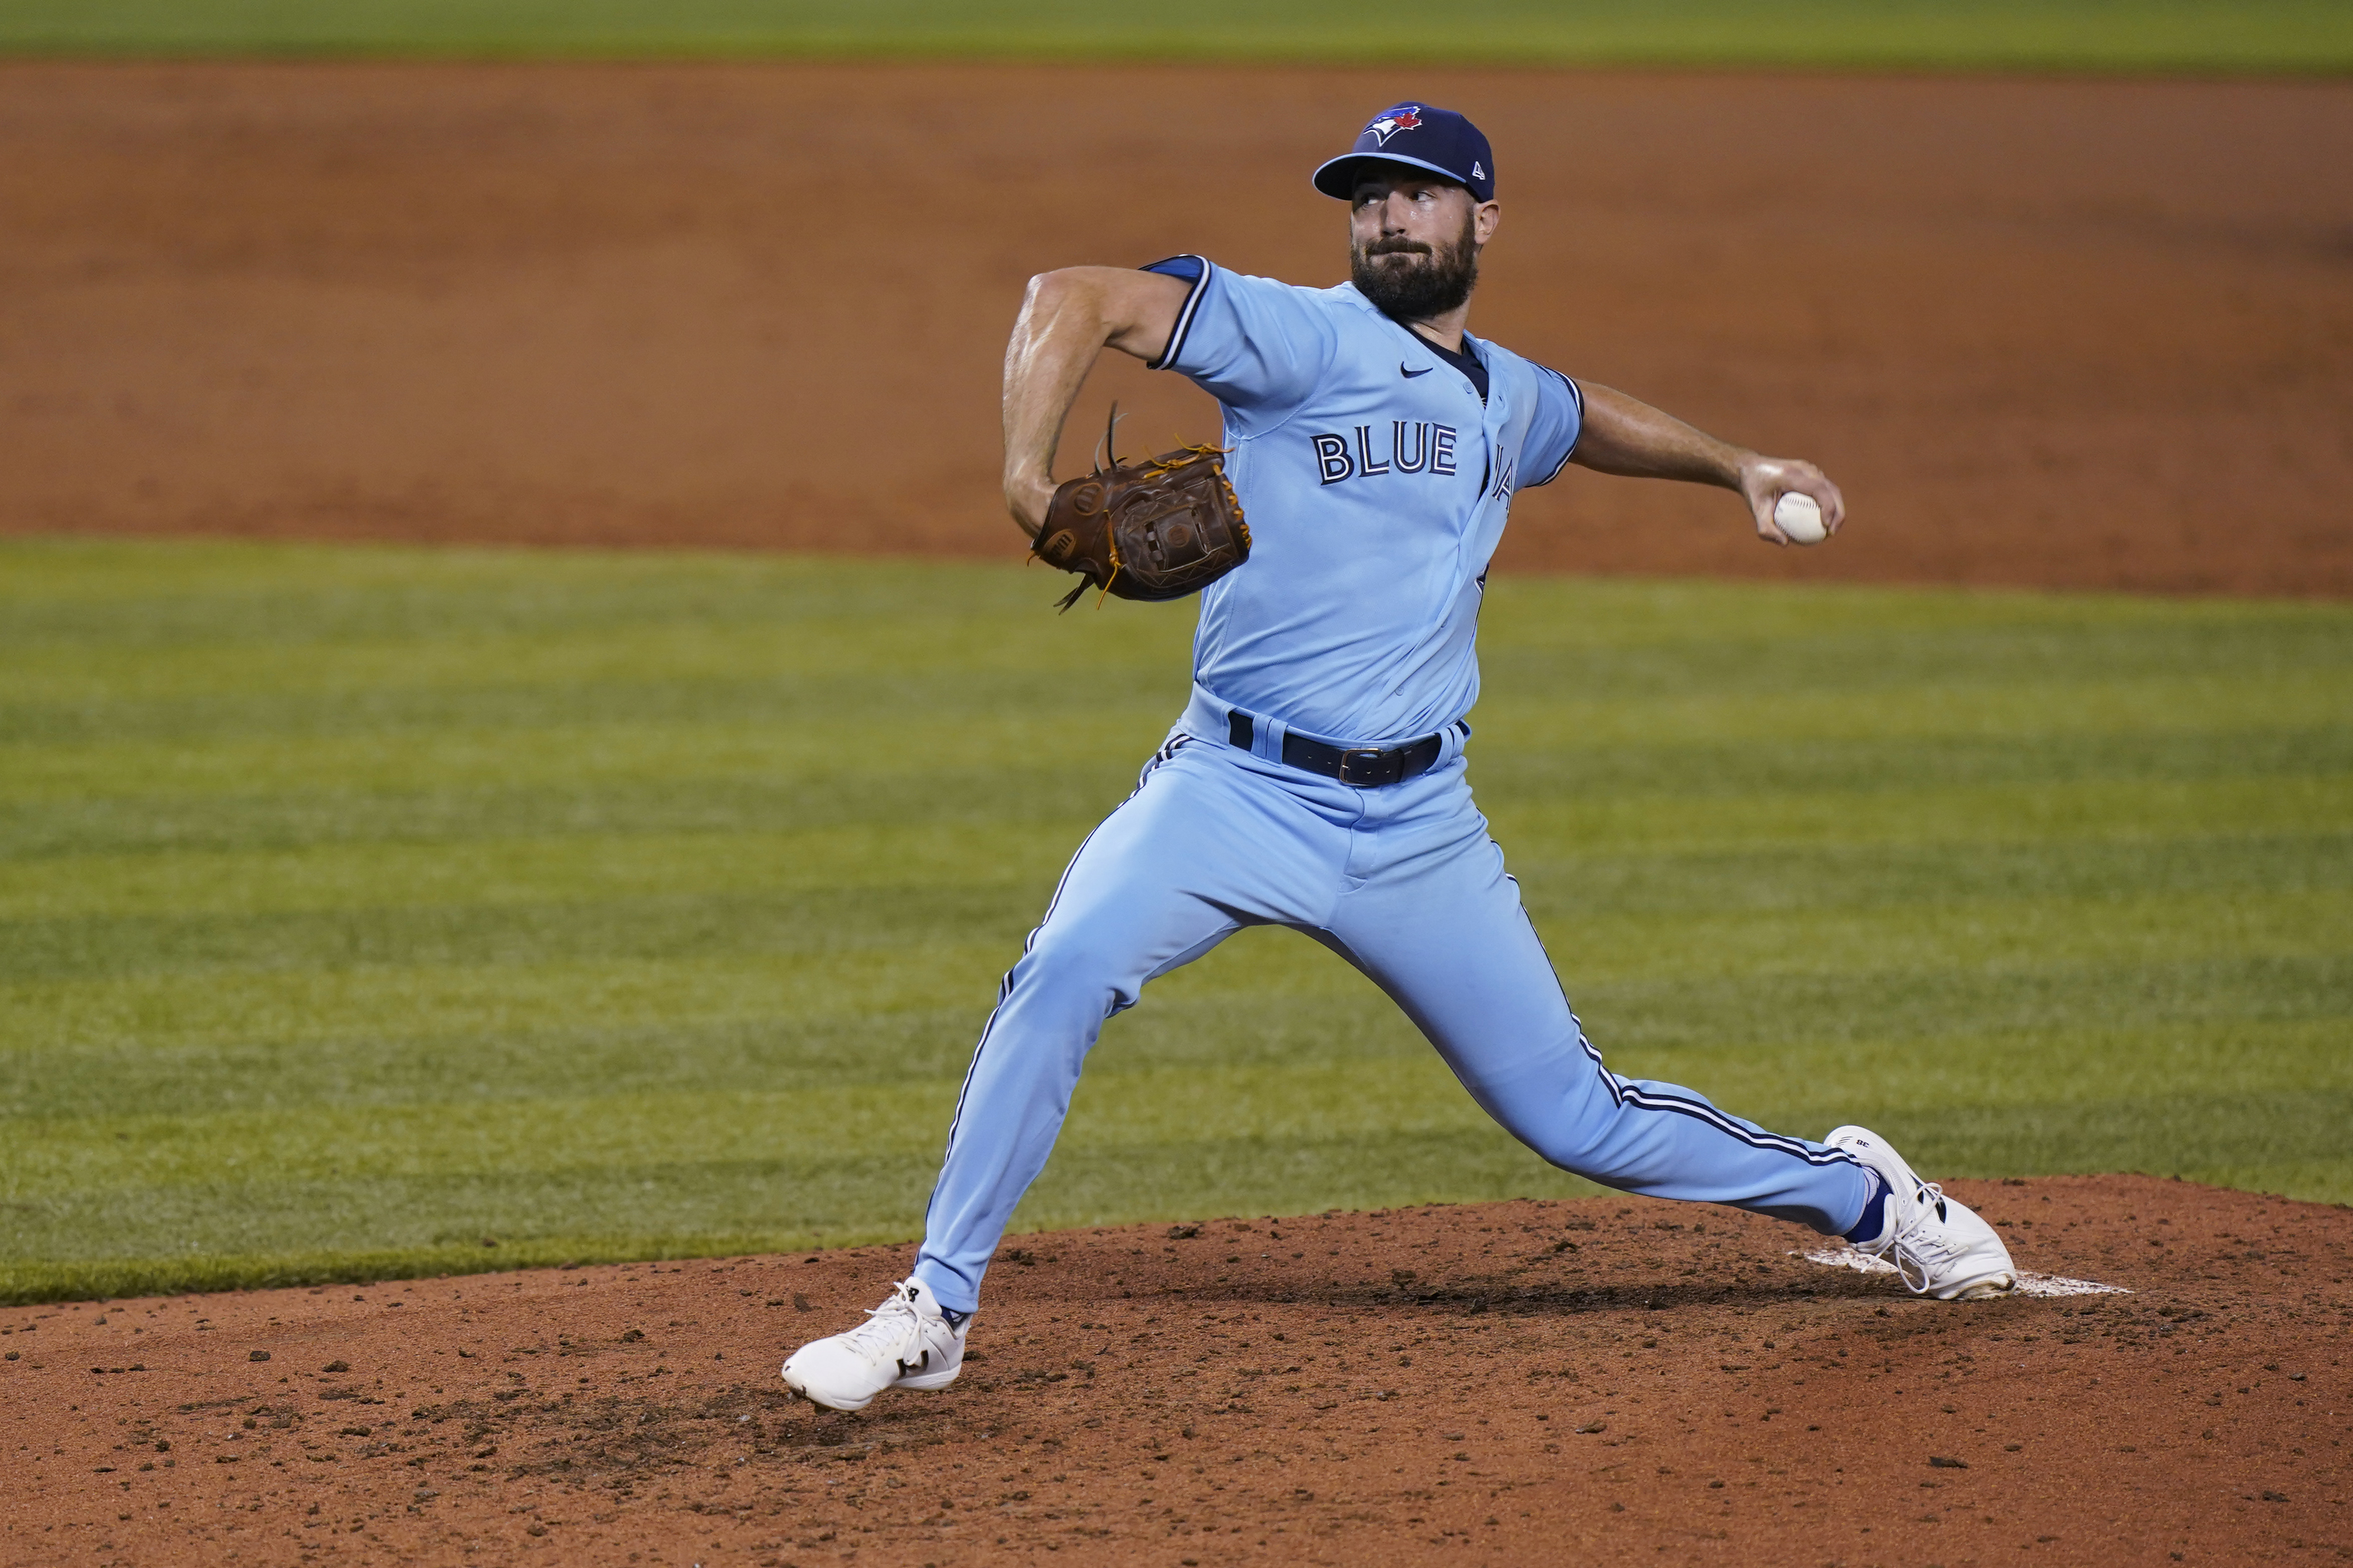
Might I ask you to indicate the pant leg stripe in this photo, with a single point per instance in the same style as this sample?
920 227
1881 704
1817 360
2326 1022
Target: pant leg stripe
1005 987
1168 749
1623 1093
1651 1100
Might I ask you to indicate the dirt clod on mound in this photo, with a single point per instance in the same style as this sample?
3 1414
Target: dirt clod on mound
1610 1379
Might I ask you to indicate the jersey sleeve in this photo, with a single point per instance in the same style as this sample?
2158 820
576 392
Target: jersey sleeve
1552 432
1258 346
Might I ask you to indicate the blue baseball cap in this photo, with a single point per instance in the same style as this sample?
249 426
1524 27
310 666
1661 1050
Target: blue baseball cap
1438 140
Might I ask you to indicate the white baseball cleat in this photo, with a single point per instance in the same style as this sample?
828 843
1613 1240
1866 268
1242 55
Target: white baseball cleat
905 1343
1939 1245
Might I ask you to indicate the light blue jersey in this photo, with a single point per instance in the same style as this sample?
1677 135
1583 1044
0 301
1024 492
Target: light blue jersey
1376 485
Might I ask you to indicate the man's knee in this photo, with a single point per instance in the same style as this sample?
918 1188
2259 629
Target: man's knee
1579 1128
1579 1151
1076 964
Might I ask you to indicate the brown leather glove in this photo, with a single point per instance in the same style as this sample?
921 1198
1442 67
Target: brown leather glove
1158 529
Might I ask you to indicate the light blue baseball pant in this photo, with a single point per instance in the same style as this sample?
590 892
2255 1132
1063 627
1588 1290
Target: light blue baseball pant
1403 882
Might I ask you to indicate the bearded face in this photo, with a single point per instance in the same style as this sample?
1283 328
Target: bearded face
1414 281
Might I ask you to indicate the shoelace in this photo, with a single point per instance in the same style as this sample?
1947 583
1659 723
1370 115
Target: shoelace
887 1327
1918 1245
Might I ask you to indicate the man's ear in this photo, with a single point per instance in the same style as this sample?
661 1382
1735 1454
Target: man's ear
1484 221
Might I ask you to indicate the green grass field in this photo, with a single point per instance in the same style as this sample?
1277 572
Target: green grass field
363 906
2193 36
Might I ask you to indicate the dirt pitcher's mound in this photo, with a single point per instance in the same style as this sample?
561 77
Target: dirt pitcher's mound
1610 1380
2043 332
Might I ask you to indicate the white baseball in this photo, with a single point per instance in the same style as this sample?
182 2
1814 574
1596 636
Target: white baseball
1799 516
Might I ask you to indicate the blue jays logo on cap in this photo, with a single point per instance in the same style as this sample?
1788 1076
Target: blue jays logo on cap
1422 137
1388 123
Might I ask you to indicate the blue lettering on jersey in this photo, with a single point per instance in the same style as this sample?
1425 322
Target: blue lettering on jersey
1331 459
1420 458
1432 447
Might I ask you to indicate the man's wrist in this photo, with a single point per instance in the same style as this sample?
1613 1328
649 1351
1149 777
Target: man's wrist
1027 498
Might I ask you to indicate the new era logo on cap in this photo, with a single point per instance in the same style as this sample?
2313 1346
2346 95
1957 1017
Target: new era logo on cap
1418 136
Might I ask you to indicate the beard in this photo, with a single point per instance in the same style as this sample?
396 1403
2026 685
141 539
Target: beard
1430 282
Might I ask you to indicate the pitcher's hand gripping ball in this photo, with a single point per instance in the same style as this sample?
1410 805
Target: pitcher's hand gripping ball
1799 519
1158 529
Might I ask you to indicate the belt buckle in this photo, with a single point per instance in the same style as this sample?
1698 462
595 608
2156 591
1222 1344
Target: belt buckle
1367 767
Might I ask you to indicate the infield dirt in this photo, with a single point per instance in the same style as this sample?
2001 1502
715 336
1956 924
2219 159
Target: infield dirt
1611 1380
2045 331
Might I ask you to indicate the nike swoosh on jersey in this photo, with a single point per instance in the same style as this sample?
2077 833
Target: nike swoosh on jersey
1410 375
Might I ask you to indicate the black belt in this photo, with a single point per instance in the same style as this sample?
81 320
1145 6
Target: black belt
1364 767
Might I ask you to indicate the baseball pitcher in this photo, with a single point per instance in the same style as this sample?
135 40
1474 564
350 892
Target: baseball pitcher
1316 779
